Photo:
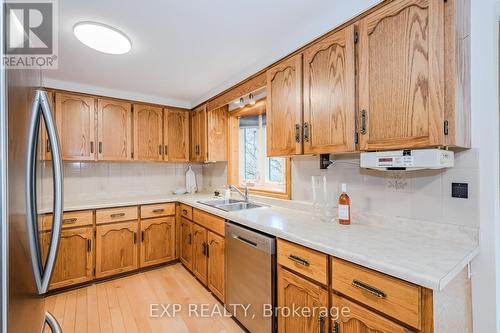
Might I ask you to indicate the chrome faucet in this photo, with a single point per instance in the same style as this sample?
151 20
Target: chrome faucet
244 195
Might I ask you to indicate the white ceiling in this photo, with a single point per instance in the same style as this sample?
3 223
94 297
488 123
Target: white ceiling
184 52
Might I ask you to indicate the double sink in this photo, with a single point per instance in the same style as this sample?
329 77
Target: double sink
230 205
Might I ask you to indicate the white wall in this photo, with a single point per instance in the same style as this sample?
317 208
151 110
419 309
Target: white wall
485 137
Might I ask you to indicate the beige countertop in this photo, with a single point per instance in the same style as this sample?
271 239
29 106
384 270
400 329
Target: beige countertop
422 258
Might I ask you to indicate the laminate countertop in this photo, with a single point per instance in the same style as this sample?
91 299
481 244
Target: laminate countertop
421 258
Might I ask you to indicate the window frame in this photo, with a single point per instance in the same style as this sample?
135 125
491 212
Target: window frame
233 161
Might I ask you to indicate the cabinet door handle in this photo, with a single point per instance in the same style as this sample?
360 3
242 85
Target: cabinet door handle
189 239
159 210
335 328
70 221
89 245
91 147
297 133
306 132
100 147
142 236
321 322
299 260
165 149
47 146
117 215
135 237
372 290
364 116
160 150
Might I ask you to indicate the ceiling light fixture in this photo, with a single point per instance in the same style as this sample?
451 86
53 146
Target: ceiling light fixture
251 99
102 38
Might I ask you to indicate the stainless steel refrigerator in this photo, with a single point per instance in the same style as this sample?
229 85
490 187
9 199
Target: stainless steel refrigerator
25 275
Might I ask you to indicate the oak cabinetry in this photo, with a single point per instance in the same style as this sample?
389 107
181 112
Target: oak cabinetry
157 210
330 94
297 292
114 130
361 320
116 248
118 214
198 134
401 76
284 107
157 241
186 248
148 133
200 252
75 256
70 220
44 150
216 266
217 134
75 121
176 135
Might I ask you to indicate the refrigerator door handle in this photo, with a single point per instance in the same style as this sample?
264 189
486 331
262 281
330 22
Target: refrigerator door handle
42 276
52 322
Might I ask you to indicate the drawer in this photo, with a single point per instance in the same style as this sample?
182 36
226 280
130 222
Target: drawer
310 263
209 221
115 214
157 210
396 298
70 219
187 212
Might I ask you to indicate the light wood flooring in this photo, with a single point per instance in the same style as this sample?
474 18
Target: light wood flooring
123 305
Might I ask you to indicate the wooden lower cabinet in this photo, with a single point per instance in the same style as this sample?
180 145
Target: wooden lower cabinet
297 292
74 263
157 241
359 319
116 248
186 248
216 265
199 252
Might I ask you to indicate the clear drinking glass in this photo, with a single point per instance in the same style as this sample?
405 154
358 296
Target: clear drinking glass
322 208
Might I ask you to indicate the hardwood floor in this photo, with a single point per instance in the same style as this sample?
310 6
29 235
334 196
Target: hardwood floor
124 305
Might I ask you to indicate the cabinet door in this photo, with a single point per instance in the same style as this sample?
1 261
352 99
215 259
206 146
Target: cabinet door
294 291
329 94
75 121
114 126
216 265
284 108
176 135
186 250
148 135
157 241
44 152
116 248
358 319
199 134
217 134
401 98
200 253
194 134
74 262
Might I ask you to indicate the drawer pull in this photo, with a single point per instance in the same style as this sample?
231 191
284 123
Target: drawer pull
372 290
117 215
298 260
184 212
71 220
159 210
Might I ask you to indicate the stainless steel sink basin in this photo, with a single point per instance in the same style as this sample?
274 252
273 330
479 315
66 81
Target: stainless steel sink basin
230 205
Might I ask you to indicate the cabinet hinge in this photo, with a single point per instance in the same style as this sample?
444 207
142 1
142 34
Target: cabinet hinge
446 127
356 37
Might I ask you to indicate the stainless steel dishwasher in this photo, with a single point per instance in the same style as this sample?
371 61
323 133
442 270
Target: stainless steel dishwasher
250 277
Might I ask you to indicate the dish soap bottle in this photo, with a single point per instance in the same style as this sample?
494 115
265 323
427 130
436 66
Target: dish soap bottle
344 207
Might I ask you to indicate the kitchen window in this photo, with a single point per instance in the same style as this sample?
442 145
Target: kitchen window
249 164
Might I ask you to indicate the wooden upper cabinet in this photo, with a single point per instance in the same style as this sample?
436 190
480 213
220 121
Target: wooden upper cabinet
114 119
148 133
401 73
44 150
329 94
157 241
361 320
176 135
75 121
199 134
217 134
284 107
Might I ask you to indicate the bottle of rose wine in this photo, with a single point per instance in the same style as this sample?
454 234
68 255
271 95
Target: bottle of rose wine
344 207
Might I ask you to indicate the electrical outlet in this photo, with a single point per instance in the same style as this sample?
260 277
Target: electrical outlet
460 190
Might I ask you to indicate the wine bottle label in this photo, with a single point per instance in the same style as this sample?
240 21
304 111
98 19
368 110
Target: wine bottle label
343 212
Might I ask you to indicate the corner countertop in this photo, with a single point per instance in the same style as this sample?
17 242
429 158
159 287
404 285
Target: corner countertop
418 258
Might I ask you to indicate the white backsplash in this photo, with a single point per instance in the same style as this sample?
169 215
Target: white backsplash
114 179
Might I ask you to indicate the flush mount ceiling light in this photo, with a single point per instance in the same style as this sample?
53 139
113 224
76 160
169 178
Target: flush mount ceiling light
102 38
